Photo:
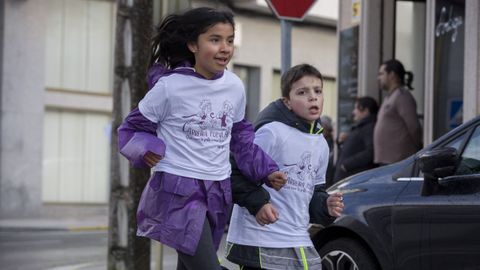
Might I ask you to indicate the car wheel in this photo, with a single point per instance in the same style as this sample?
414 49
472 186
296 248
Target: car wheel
346 254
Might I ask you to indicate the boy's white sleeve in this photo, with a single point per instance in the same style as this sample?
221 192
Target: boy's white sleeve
265 138
154 106
323 163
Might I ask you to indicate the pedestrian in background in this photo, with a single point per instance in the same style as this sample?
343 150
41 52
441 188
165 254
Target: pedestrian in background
185 128
356 152
327 125
271 230
398 133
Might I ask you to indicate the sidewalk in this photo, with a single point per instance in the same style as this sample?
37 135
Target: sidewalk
99 222
49 224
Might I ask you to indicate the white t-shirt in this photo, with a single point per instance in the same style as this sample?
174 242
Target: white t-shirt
304 158
195 118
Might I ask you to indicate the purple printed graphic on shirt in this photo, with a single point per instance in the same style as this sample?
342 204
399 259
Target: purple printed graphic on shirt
300 175
207 126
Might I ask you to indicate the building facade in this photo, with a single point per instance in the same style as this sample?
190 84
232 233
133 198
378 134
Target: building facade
56 82
438 40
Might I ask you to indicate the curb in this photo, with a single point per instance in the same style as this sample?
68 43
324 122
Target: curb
51 229
88 228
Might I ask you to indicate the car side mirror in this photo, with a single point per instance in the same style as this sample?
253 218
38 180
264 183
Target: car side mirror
435 164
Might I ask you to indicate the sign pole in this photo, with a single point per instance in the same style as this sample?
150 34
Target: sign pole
286 11
286 44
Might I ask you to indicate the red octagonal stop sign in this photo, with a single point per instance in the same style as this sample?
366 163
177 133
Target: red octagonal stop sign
291 9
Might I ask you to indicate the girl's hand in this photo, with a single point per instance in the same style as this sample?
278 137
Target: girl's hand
335 204
151 158
277 180
266 215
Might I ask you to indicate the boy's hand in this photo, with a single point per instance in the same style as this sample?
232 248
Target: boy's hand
151 159
266 215
335 204
277 180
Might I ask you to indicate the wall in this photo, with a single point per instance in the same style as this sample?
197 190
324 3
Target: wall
22 89
311 44
472 60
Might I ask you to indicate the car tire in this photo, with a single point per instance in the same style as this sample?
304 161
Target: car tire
346 254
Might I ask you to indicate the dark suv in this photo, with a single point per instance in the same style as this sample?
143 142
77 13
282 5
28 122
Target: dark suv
420 213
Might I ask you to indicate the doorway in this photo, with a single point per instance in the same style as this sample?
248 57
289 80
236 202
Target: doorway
410 28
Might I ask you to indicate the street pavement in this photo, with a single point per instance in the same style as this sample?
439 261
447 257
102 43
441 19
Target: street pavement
32 237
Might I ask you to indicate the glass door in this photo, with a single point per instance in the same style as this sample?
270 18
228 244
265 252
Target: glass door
410 17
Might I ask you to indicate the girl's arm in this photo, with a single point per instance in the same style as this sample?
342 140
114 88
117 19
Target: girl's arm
136 137
253 197
246 193
254 164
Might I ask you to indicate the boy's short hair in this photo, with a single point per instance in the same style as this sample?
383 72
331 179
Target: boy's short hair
296 73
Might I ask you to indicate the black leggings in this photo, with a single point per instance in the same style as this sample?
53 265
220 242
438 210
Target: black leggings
205 257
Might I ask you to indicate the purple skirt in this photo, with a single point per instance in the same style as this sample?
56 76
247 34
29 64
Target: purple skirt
173 208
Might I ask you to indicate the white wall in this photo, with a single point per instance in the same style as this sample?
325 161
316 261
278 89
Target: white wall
22 107
260 46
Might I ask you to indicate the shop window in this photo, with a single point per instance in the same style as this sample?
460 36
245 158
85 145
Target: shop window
470 160
449 60
410 31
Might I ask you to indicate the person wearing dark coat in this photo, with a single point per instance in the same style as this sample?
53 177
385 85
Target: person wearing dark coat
356 152
327 125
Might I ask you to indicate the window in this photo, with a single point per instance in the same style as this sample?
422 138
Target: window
470 160
330 97
276 90
457 142
76 158
410 31
79 49
78 82
250 77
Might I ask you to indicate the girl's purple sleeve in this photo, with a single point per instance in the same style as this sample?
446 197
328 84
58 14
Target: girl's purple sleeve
254 164
136 136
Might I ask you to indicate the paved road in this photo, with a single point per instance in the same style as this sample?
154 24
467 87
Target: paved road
64 250
37 250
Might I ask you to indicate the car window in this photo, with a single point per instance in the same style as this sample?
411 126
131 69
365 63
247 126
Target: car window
470 159
457 143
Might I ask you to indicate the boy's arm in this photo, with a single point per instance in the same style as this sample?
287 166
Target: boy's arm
136 137
318 208
245 193
252 161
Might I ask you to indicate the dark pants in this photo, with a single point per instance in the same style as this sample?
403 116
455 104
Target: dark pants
205 257
249 268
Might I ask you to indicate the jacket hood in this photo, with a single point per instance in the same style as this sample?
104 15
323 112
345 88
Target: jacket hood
277 111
